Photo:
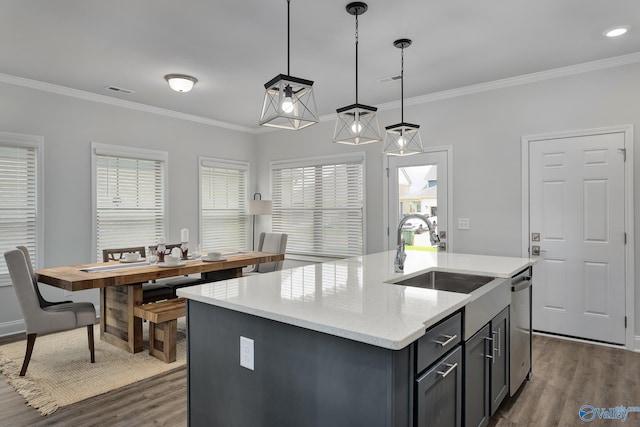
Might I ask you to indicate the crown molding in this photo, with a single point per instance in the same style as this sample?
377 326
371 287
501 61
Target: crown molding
103 99
524 79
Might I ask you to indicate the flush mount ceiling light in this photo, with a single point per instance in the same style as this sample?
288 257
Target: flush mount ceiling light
616 31
288 101
357 124
403 138
180 82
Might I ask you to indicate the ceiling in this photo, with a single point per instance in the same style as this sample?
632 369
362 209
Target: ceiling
234 47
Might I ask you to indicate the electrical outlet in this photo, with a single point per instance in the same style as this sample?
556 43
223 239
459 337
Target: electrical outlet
246 352
464 223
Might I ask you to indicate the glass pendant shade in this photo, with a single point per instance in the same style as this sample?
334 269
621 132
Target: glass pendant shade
402 139
357 124
289 103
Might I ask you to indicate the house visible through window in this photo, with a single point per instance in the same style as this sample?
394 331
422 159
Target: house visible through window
223 199
19 196
129 197
320 205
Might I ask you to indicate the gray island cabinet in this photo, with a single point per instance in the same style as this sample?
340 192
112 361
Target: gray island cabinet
333 344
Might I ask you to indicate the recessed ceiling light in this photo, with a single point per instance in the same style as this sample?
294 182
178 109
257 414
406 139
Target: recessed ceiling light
616 31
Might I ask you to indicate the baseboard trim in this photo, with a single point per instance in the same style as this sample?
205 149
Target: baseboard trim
602 344
12 328
636 342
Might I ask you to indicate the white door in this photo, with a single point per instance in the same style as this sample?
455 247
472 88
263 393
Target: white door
419 184
577 217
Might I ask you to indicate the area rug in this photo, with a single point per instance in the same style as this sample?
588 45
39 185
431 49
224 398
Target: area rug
60 372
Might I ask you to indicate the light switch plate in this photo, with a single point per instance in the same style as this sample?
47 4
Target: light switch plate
464 223
246 353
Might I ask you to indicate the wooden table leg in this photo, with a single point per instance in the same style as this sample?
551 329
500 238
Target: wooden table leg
118 325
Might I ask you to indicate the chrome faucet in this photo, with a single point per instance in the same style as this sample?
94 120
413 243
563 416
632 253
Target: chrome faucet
398 262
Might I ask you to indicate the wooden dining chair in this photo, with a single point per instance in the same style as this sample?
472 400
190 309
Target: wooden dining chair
151 291
48 319
118 253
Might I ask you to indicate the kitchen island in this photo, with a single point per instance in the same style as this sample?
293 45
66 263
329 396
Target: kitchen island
324 344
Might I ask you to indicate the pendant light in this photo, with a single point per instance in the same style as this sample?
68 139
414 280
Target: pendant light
402 139
357 124
288 101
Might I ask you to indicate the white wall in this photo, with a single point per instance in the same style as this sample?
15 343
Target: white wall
485 130
68 126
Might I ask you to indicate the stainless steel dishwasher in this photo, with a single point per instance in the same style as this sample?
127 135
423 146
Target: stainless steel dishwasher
520 314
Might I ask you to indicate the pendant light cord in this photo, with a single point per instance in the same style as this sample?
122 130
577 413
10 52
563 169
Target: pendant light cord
356 58
288 38
402 85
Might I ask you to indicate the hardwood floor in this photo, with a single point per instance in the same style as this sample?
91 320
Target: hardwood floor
566 375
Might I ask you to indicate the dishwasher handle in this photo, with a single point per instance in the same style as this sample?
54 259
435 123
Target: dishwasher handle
526 283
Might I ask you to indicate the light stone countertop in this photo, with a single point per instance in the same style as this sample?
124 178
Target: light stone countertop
349 298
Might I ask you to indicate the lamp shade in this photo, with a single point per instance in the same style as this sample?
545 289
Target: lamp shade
402 139
289 103
357 124
260 207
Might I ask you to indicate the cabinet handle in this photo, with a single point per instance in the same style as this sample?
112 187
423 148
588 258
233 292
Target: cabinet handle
499 341
450 338
495 349
489 356
448 371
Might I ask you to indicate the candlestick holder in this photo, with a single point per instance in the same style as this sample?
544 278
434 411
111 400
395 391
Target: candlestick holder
184 249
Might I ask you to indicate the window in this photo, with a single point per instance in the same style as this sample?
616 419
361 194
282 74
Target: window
223 198
320 205
129 196
20 185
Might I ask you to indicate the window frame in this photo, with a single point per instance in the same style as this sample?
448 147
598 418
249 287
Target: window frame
205 161
98 149
36 142
352 157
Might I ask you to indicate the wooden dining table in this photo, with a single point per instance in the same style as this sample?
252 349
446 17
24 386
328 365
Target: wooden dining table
120 286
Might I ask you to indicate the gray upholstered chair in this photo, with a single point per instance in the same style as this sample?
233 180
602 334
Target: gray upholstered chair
47 319
274 243
43 302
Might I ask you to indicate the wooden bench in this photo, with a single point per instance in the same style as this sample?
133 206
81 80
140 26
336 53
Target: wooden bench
163 325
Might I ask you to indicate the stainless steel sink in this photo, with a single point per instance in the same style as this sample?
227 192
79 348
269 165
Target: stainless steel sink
444 281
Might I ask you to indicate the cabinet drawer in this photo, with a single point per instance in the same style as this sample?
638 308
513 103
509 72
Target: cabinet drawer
439 393
437 341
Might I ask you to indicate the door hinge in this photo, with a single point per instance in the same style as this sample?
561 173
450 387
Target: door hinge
624 153
387 169
625 237
387 231
625 322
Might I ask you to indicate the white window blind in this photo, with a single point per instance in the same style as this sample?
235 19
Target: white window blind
320 207
223 198
18 201
129 200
